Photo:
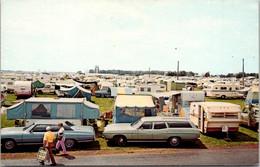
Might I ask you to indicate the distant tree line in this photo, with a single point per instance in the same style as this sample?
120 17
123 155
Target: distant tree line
128 72
240 75
181 73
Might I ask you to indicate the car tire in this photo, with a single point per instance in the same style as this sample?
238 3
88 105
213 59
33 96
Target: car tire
39 92
223 96
120 141
174 141
70 143
9 144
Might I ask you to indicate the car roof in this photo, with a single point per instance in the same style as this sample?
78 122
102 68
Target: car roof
160 118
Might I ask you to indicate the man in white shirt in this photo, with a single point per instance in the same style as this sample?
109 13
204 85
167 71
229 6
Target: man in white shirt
61 139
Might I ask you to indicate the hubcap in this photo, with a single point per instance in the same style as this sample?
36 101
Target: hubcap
174 141
69 143
9 144
121 140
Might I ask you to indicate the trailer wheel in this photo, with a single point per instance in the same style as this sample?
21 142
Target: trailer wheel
223 96
174 141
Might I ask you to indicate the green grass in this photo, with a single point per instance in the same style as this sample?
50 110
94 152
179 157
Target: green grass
6 123
240 102
105 104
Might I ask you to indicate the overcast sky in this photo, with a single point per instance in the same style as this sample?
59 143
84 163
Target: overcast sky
72 35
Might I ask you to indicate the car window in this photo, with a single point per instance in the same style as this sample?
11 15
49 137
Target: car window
159 125
67 127
146 125
179 125
55 128
40 128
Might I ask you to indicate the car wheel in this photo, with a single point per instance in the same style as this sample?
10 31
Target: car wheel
174 141
69 143
223 96
9 145
121 141
39 92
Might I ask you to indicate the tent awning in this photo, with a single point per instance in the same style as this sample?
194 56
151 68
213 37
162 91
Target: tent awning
134 101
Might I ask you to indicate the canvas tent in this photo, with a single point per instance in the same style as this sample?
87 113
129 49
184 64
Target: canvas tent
253 95
38 84
130 108
53 108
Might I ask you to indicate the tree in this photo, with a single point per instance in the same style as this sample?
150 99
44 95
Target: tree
239 75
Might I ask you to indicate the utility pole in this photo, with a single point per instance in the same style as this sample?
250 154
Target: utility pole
149 72
178 70
243 73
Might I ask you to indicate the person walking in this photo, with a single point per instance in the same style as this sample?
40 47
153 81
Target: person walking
49 142
61 139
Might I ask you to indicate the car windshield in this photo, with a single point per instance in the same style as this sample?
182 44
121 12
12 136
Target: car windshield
28 126
136 123
69 123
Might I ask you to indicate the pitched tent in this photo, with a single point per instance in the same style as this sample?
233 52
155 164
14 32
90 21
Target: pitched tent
253 95
38 84
53 108
130 108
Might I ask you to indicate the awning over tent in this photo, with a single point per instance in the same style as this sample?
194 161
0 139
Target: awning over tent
38 84
134 101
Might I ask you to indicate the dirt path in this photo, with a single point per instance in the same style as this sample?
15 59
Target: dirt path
121 152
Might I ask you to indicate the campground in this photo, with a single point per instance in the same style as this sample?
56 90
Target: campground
244 138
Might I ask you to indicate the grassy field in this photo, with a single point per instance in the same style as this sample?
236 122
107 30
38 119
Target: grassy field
244 136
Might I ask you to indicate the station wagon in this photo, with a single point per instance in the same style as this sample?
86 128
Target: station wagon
173 130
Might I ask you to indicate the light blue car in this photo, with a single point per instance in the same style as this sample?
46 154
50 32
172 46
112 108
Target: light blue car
33 134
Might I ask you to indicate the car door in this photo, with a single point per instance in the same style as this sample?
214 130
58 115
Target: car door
160 131
35 135
144 132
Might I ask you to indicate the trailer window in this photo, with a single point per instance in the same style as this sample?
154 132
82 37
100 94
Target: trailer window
223 88
148 89
142 89
127 112
41 110
22 88
218 115
66 111
140 112
9 83
231 115
179 125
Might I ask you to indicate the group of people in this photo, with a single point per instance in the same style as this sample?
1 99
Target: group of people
49 142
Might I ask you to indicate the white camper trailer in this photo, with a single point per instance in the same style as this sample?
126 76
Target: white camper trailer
150 88
215 116
23 88
223 91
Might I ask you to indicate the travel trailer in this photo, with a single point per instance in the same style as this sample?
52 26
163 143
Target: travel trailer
150 88
47 89
215 116
23 88
223 91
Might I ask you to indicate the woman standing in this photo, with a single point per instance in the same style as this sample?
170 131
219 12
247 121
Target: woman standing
61 139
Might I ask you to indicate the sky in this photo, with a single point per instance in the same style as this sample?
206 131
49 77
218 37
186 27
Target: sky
73 35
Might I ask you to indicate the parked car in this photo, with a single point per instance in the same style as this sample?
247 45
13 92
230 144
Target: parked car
173 130
250 116
33 135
